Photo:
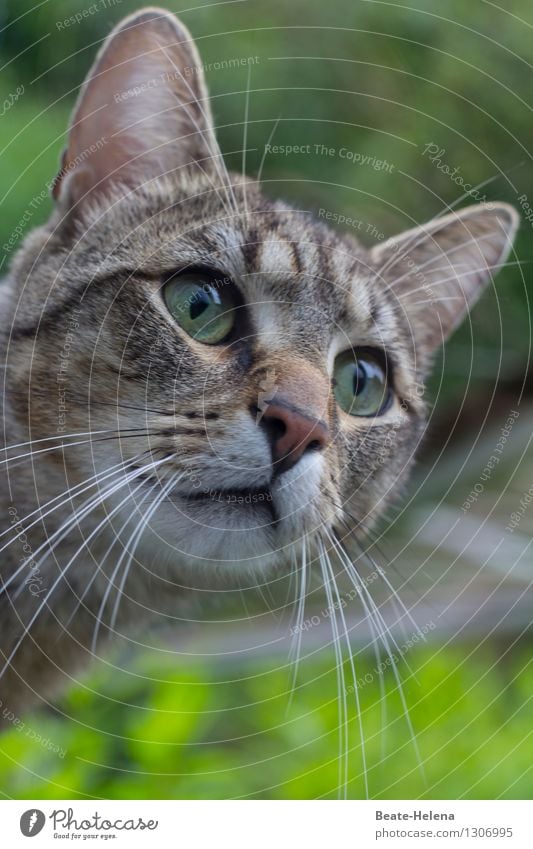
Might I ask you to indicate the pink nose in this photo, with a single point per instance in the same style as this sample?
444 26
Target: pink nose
292 433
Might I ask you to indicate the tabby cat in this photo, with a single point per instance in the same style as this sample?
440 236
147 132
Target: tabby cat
200 382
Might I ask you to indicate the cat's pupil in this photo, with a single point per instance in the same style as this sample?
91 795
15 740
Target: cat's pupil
199 305
359 379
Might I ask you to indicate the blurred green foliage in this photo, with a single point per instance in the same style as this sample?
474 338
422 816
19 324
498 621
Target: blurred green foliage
165 733
376 78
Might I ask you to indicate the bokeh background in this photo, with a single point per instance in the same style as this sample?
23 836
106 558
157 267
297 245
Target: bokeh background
204 710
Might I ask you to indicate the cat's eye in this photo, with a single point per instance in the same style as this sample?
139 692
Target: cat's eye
202 304
360 383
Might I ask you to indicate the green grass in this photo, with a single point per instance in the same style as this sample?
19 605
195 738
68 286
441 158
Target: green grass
190 735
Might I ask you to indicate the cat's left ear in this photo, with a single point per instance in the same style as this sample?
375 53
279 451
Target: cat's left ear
438 271
143 111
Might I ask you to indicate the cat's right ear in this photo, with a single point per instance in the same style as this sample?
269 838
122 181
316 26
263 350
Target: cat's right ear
142 112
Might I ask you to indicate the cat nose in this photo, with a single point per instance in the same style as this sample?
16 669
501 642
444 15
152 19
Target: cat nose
291 432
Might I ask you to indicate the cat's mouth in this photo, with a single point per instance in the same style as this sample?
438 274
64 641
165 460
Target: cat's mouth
235 497
225 496
232 495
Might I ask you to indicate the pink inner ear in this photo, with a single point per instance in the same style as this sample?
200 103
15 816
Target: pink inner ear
141 112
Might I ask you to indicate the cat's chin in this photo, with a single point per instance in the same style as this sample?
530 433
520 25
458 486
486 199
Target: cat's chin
227 534
237 530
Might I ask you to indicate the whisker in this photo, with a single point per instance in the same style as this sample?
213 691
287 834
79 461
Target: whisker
65 528
111 580
341 688
65 436
91 400
106 554
66 496
63 571
300 612
354 676
395 597
384 631
245 139
267 147
377 568
111 546
120 435
383 636
135 541
376 646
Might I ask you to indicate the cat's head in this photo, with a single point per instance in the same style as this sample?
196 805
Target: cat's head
270 370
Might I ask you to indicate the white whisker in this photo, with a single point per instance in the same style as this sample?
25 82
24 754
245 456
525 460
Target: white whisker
300 612
66 527
245 140
106 554
354 676
65 436
116 538
384 633
71 492
97 479
120 435
135 539
267 147
64 571
341 686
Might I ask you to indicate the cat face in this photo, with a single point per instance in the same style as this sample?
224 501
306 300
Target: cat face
260 376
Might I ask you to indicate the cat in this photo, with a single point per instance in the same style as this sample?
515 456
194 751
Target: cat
200 382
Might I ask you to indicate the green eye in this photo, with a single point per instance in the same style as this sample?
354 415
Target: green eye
203 305
361 387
